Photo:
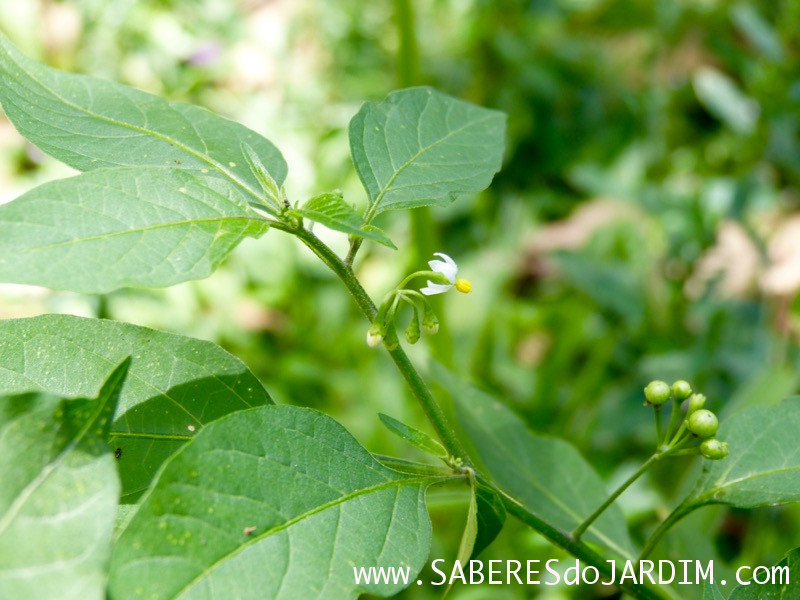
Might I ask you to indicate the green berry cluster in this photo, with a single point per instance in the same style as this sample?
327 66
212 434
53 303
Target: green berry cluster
697 424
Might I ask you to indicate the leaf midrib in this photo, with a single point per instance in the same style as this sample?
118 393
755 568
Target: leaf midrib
308 514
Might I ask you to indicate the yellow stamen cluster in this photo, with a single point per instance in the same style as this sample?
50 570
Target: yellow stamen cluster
463 286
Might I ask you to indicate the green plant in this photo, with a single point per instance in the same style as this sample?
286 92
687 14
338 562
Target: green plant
220 489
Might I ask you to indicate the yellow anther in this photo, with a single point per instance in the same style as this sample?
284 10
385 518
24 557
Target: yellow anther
463 286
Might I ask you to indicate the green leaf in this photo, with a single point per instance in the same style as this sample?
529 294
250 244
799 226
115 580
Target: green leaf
721 96
763 467
91 123
122 227
545 474
470 533
711 592
415 437
274 502
175 385
420 147
491 517
332 211
59 494
778 583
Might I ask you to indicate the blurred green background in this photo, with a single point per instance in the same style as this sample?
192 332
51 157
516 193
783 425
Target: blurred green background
646 223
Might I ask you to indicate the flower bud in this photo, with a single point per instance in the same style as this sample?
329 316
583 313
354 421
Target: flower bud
390 339
696 402
412 332
703 423
430 322
375 335
657 392
681 390
713 449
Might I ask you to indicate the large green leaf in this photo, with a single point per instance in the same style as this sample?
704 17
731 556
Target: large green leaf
91 123
122 227
711 592
763 466
420 147
175 385
545 474
274 502
58 496
772 583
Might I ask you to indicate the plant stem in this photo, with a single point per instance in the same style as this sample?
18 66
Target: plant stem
409 466
418 387
673 421
446 434
659 433
580 529
676 515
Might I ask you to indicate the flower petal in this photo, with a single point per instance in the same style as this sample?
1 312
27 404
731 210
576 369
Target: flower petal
435 288
446 267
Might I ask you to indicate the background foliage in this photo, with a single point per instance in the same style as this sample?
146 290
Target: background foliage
644 224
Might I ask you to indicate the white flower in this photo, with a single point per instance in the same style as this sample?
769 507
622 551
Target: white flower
448 269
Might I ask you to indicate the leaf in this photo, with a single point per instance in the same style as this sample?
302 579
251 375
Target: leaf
91 123
467 543
782 587
415 437
420 147
491 517
59 495
711 592
175 385
763 466
545 474
113 228
273 502
332 211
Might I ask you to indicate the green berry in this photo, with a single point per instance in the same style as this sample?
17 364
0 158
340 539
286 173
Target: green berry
681 390
696 402
657 392
713 449
703 423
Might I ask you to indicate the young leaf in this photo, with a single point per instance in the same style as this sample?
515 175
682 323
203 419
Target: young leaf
420 147
91 123
785 585
59 494
415 437
175 386
762 467
112 228
273 502
331 210
491 517
546 474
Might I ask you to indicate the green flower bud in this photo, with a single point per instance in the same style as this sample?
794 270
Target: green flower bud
696 402
657 392
713 449
703 423
681 390
412 332
430 322
390 338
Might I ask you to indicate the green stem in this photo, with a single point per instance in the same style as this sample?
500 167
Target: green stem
446 434
418 387
407 50
580 529
676 515
659 432
415 468
576 548
673 421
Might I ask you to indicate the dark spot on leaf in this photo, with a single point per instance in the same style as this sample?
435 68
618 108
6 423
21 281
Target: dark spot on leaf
117 452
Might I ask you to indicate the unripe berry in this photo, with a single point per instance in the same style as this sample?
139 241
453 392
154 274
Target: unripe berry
696 402
657 392
703 423
713 449
681 390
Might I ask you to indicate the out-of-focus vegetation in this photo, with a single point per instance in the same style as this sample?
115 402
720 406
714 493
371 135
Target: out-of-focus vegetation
645 224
